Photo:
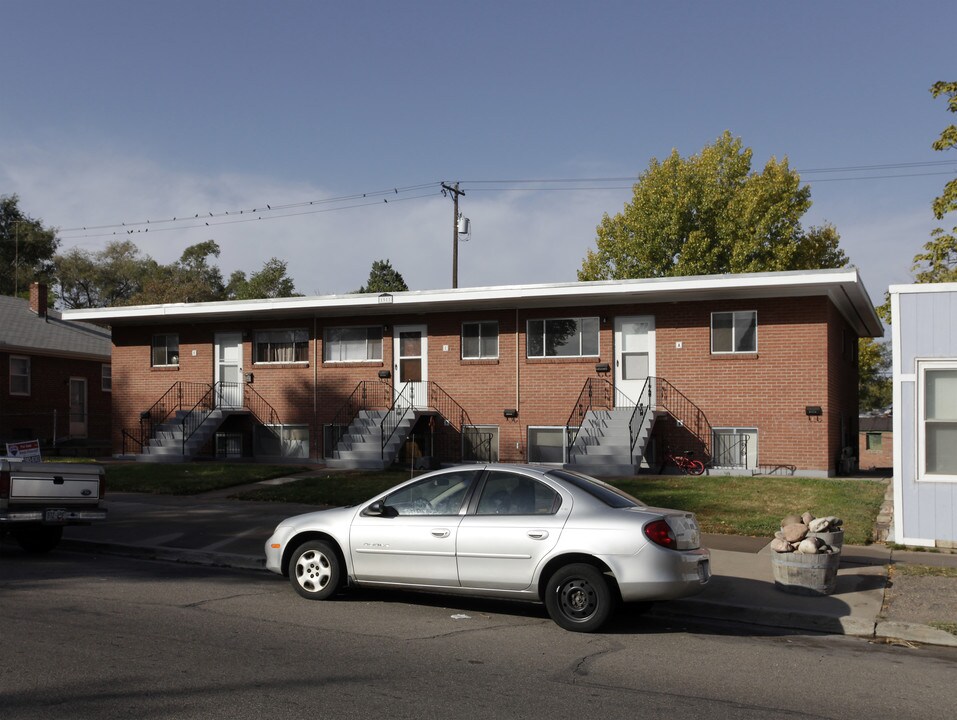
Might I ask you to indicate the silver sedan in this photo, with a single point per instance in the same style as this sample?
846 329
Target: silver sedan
536 533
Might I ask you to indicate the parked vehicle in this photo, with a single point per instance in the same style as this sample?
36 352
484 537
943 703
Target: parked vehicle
37 500
575 543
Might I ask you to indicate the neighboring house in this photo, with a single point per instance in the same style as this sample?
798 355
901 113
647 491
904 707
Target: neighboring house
875 442
924 318
55 379
754 373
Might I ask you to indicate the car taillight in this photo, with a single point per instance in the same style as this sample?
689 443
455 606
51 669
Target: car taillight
5 485
660 533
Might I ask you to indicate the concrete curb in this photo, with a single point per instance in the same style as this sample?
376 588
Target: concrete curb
914 632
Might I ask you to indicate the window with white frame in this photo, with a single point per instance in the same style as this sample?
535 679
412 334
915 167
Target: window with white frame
546 444
937 421
735 447
480 340
562 337
734 332
281 346
165 350
352 344
106 378
19 375
480 443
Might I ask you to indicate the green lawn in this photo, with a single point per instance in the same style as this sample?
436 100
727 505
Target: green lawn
189 478
728 505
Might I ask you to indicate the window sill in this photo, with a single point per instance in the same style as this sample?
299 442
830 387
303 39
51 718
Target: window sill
480 361
164 368
588 360
352 363
292 364
735 356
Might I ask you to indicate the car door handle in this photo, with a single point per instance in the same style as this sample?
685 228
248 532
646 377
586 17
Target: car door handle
441 532
538 534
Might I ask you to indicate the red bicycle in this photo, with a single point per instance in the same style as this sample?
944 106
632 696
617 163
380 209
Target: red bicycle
685 462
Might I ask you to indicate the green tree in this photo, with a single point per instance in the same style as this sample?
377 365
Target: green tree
192 278
112 276
26 248
938 262
875 389
710 213
270 282
383 278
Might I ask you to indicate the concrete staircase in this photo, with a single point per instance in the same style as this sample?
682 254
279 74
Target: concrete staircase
603 448
361 445
166 445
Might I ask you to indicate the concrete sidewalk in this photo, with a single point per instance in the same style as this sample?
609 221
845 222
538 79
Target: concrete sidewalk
214 530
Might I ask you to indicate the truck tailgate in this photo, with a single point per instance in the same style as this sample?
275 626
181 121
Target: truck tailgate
62 483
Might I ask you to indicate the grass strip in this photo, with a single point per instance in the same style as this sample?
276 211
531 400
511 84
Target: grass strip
189 478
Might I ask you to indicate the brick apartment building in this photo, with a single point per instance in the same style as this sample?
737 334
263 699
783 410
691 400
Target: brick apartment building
754 373
55 377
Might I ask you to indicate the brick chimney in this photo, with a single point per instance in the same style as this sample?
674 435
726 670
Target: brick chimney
38 299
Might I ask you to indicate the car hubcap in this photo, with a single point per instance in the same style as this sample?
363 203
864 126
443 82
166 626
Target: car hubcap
313 571
578 599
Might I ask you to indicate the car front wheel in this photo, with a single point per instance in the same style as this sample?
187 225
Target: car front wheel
314 570
579 598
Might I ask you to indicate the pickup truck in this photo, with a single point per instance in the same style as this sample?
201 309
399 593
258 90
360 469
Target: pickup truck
37 500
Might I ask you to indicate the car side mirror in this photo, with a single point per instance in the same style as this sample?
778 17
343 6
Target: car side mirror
380 509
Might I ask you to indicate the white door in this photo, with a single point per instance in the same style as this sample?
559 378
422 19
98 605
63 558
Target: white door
77 407
634 355
410 344
229 370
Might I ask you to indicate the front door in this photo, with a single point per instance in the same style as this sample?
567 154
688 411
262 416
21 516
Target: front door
410 354
634 355
78 407
229 370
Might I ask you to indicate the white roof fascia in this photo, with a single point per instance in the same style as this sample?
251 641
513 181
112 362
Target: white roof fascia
843 286
923 288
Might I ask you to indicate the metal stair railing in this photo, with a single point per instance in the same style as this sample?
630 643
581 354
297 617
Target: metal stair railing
597 393
401 406
641 412
197 414
458 418
367 395
691 417
181 394
259 407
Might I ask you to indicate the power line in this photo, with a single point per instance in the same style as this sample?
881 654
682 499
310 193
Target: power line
269 211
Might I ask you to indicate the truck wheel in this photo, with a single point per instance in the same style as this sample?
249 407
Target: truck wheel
38 539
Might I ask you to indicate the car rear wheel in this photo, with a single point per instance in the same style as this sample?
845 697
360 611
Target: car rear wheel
579 598
314 570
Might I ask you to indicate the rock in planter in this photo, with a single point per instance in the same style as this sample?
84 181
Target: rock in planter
828 529
780 545
795 532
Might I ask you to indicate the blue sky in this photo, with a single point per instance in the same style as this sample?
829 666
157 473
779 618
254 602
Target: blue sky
123 112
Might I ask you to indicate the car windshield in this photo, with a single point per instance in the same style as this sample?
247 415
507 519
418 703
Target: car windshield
608 494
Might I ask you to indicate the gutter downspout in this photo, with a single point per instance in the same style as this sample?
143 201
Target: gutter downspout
315 387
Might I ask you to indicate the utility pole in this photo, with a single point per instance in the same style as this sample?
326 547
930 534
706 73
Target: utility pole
455 192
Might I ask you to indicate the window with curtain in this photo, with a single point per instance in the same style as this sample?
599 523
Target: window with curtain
282 346
734 332
352 344
106 378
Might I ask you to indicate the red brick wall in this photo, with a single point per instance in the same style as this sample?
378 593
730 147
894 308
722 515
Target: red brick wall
877 457
799 362
50 391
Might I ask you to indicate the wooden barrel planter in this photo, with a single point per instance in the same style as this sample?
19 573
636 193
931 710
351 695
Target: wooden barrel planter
801 574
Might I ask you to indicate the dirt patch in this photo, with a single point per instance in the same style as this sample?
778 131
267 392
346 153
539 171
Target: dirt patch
918 598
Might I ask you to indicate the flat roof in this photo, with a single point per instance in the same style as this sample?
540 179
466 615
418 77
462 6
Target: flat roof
843 286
